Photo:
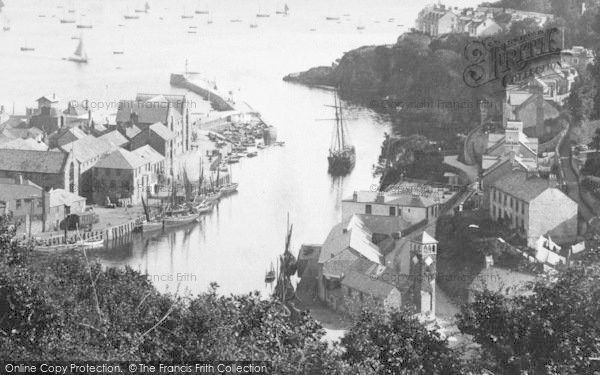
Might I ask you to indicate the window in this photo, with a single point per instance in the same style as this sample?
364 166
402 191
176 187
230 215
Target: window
494 195
39 202
368 209
494 212
505 199
523 208
107 172
392 211
118 172
19 203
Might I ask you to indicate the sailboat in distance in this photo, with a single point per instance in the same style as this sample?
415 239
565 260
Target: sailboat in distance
284 12
79 56
342 155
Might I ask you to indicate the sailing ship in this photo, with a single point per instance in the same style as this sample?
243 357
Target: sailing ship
260 14
285 10
6 26
79 56
145 10
26 48
176 216
229 187
270 275
130 16
342 154
151 224
284 290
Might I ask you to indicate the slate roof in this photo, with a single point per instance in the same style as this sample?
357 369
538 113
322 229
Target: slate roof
131 131
406 200
75 111
88 147
177 101
350 234
365 284
149 154
121 159
519 186
162 131
32 161
147 112
14 191
115 138
60 197
25 144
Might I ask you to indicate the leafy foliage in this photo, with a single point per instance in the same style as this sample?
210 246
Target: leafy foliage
548 332
397 344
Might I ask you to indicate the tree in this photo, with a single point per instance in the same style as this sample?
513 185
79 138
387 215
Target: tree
552 331
575 105
595 144
396 343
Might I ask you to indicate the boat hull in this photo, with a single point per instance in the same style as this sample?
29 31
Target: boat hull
229 189
341 164
152 226
178 221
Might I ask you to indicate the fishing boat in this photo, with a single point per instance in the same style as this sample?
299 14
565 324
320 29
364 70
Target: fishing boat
186 16
252 154
270 275
75 37
279 143
56 248
84 26
260 13
332 18
118 52
284 290
203 10
150 224
360 26
130 16
91 243
79 56
342 154
253 26
171 221
235 20
192 32
67 20
203 208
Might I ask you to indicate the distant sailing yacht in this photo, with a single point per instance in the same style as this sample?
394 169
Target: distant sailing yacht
145 10
203 10
130 16
260 14
285 10
342 154
360 26
26 48
79 56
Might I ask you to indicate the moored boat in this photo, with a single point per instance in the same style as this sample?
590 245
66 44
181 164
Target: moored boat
61 247
91 243
178 220
229 188
342 154
150 226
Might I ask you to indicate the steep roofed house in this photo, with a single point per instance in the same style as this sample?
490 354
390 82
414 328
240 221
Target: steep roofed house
529 107
436 20
154 167
160 138
506 152
64 136
148 109
533 206
351 266
47 117
25 144
120 176
410 207
87 151
116 138
48 169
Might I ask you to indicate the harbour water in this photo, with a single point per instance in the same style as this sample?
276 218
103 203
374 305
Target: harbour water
236 243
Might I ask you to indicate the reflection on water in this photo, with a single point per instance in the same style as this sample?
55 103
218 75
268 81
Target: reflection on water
236 243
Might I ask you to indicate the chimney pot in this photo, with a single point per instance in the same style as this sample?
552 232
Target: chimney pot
355 196
489 261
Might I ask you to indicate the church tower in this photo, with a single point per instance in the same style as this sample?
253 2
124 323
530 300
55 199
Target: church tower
423 263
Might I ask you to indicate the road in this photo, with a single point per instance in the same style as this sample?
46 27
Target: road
571 180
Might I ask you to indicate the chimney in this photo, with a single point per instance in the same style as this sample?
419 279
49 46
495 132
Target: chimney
489 261
133 118
19 179
355 196
380 198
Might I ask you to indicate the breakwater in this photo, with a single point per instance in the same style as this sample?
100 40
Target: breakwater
217 101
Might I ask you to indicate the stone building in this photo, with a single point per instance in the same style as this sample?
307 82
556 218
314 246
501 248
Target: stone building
48 169
533 206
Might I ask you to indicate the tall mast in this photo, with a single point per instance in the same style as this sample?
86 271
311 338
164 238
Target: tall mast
337 123
342 140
